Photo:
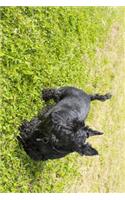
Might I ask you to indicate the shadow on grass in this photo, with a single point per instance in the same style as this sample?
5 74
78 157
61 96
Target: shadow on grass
32 167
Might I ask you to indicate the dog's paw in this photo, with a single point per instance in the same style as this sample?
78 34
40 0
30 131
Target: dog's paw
47 94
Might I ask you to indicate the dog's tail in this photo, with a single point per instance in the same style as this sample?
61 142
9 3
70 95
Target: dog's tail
100 97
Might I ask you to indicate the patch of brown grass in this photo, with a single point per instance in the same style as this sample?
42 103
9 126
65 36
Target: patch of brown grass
106 173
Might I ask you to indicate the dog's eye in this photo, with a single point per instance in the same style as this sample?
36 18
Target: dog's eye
44 140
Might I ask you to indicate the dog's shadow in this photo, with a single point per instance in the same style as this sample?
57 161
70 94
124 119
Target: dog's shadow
33 169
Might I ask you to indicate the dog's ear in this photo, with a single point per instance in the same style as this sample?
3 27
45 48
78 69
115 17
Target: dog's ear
88 150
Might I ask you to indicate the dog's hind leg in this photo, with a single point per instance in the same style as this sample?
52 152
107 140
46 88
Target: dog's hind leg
48 94
44 111
100 97
55 94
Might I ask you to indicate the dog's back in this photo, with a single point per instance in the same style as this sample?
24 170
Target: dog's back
74 106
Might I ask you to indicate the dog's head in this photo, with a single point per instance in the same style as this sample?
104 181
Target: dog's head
80 144
43 149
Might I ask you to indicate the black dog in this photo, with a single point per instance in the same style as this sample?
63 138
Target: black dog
60 129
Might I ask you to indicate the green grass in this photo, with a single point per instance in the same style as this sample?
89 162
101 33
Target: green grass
48 47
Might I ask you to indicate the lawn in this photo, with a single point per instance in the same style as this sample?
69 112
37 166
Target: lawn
53 47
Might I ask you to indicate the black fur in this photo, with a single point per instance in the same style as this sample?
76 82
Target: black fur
60 129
